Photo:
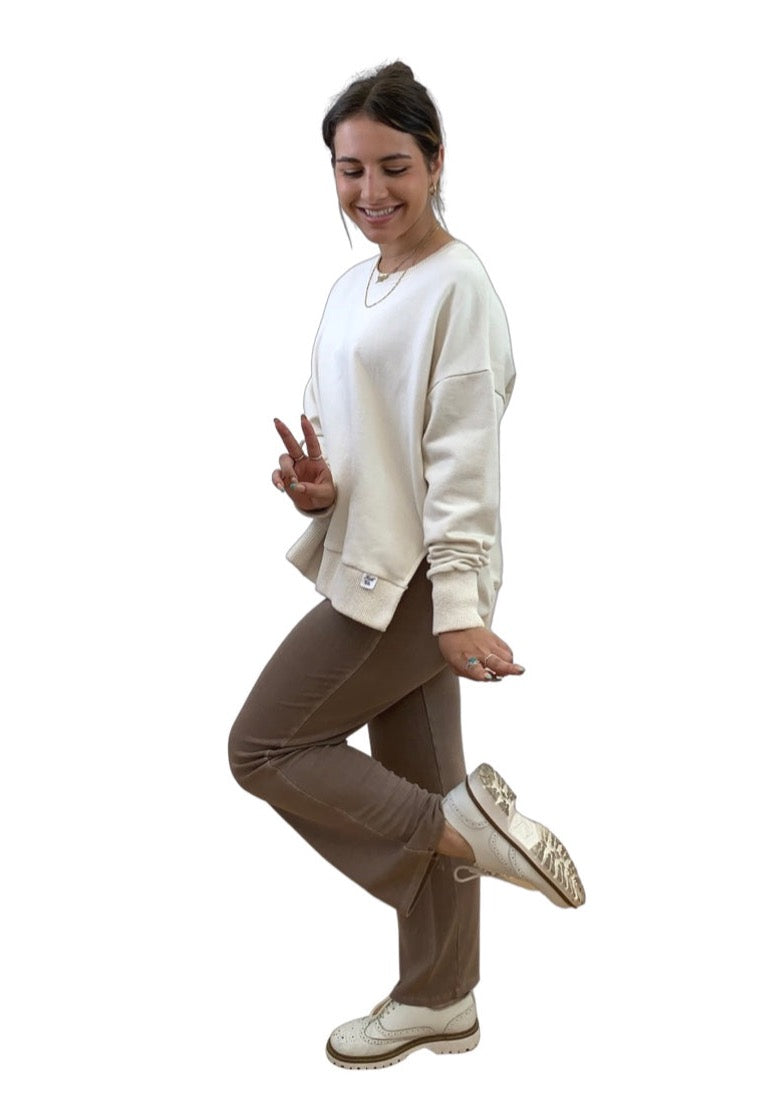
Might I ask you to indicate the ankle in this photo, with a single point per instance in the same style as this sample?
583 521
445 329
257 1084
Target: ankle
453 844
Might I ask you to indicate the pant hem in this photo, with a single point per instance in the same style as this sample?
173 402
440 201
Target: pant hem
424 840
437 1001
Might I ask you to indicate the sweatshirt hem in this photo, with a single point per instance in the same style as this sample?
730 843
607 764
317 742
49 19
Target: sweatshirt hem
357 593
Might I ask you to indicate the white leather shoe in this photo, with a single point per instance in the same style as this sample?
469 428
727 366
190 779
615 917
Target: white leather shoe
507 844
392 1031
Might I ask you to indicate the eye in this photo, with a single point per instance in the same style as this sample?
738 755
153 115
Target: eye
396 172
351 172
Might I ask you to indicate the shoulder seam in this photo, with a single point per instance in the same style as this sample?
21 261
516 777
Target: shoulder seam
462 376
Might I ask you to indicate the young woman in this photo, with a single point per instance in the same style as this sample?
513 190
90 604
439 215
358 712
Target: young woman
398 470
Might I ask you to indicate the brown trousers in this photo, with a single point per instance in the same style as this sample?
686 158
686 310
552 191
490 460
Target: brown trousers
378 818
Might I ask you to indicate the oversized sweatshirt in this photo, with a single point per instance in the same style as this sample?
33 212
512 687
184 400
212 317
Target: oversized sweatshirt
406 397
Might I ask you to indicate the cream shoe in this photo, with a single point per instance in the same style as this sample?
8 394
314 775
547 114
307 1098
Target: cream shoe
392 1031
507 844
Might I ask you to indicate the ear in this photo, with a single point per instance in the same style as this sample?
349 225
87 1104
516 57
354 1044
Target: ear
436 168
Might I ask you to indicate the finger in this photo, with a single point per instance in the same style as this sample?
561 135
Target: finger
287 470
277 479
296 491
288 440
474 669
290 481
310 438
503 649
318 494
500 666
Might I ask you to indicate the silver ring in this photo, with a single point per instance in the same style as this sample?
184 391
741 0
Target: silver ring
318 457
472 661
488 654
297 459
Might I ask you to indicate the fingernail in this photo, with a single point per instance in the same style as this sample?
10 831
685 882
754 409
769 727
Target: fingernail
294 485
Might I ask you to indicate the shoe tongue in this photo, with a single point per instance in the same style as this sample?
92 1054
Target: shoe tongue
381 1005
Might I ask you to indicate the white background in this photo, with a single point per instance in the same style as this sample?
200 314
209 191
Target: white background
169 234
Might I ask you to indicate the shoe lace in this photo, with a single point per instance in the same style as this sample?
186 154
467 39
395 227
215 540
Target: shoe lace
472 873
477 872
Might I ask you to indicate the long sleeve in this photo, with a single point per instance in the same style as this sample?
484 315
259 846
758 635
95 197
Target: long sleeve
471 382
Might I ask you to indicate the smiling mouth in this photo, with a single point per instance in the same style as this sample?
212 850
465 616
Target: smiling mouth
377 212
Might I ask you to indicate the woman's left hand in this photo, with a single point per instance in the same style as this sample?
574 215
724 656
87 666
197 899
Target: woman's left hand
478 654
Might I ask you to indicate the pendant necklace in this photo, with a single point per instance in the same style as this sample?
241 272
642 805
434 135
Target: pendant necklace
381 277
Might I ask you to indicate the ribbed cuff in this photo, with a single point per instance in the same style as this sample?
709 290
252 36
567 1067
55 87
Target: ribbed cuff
455 601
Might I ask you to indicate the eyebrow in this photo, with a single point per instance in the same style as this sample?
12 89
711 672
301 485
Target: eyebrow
388 157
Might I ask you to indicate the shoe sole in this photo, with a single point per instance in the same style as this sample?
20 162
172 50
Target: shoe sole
452 1044
548 855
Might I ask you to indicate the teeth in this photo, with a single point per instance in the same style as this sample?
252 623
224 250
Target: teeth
379 214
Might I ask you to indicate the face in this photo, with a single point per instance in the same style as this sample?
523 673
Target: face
383 182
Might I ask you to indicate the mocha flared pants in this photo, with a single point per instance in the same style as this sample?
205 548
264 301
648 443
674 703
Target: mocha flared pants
377 818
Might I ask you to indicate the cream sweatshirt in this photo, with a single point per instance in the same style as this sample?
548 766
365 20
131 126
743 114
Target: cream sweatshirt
406 397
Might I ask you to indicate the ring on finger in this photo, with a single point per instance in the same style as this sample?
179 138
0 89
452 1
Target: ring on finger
472 661
297 459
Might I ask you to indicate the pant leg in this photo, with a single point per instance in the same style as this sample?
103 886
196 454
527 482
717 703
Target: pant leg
329 677
419 738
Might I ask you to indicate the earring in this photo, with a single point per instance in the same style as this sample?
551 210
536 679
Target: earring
432 189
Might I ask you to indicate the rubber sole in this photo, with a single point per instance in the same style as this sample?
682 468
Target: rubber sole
541 848
452 1044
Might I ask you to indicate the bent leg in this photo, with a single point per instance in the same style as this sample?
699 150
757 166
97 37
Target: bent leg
329 677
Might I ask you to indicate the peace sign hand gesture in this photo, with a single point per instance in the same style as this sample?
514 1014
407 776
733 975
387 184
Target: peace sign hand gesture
305 476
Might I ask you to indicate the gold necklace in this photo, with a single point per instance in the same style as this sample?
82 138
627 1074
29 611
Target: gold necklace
381 276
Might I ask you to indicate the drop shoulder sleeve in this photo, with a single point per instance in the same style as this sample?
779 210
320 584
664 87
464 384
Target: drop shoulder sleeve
471 381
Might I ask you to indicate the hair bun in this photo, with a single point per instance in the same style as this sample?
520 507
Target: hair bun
397 70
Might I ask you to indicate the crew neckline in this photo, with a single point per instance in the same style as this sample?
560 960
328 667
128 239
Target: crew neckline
430 257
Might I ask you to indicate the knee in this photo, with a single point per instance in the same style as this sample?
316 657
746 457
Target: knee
245 755
251 756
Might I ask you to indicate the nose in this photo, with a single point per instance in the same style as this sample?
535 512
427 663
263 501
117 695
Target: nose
373 187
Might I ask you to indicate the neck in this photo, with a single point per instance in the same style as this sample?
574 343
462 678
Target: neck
423 239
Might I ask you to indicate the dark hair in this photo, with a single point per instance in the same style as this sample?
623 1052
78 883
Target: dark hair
390 95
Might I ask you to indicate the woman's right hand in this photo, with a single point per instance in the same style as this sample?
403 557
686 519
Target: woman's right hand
304 476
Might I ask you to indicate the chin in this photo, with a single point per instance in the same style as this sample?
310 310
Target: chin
379 235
